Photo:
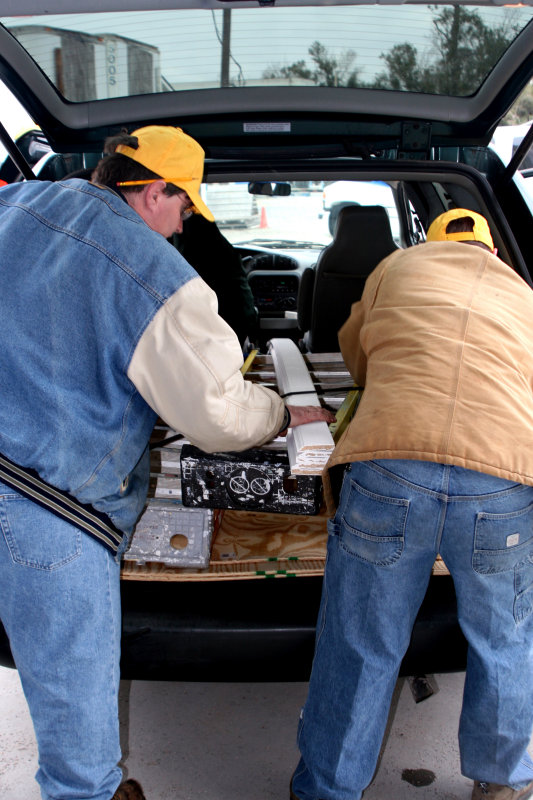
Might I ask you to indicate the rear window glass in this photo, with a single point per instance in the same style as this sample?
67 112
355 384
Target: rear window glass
432 49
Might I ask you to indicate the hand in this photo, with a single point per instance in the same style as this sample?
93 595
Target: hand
300 415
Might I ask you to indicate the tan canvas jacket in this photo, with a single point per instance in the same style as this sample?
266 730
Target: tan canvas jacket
442 340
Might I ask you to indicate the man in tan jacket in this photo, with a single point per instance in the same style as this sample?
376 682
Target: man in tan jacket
438 459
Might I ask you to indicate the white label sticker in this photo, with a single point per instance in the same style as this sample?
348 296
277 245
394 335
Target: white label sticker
266 127
513 539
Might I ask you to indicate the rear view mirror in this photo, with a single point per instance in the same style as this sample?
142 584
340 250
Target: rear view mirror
269 188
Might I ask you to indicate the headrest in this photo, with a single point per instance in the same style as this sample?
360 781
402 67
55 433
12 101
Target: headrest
363 237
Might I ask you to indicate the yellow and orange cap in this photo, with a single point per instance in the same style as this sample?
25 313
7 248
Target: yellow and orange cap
481 232
173 155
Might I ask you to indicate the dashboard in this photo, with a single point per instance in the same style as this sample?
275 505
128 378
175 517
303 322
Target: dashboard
274 278
274 293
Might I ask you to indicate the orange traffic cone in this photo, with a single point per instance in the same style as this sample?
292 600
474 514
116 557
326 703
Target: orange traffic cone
263 223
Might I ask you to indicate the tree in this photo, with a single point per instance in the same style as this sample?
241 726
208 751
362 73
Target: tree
522 110
463 53
404 71
466 49
327 70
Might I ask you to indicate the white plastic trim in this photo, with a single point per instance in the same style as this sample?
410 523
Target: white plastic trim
309 446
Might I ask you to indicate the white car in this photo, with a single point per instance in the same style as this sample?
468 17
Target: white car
339 194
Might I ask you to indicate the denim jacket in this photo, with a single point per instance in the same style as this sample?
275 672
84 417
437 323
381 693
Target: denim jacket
83 281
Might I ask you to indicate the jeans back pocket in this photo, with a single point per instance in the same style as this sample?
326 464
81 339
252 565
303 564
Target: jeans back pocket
504 543
373 526
35 537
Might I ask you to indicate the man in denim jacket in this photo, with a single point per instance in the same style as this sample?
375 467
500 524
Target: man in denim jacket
106 327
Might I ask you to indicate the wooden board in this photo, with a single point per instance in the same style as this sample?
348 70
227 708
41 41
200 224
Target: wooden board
250 545
252 536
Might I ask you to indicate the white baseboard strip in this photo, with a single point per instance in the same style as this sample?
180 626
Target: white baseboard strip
309 446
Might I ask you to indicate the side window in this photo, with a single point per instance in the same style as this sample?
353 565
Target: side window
509 135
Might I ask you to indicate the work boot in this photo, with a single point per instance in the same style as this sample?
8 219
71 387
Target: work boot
495 791
129 790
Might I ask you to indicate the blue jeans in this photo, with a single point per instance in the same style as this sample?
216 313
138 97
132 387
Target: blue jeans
393 518
60 605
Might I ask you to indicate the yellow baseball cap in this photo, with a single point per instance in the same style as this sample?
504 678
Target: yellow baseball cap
481 232
173 155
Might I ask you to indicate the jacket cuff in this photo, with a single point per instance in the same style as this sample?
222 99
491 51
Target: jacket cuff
286 421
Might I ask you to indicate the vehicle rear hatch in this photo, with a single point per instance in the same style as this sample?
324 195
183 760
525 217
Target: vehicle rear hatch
269 79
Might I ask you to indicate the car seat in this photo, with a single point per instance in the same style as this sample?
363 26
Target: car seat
363 237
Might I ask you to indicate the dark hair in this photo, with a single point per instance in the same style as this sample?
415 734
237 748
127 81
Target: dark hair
465 225
123 137
461 225
114 168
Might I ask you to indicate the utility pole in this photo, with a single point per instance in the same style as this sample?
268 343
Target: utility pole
226 47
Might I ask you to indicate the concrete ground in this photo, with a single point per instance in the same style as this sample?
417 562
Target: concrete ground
208 741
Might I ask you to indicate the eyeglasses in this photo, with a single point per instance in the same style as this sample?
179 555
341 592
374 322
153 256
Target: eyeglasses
187 213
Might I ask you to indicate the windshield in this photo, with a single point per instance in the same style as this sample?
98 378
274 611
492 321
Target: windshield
426 48
305 219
